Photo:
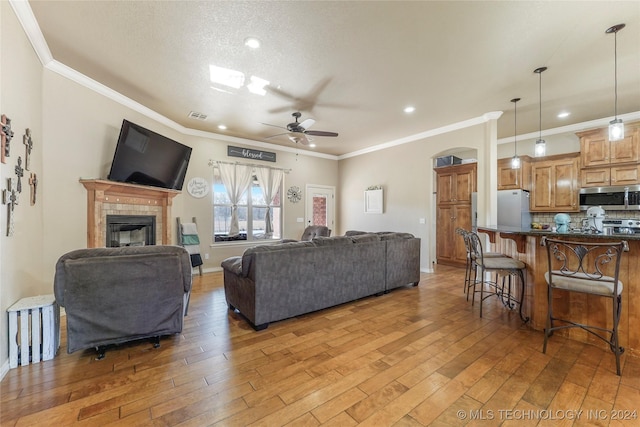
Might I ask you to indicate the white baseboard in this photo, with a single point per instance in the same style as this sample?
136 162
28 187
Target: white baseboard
4 369
426 270
195 271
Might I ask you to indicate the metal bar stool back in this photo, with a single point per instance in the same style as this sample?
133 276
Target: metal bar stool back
588 268
503 267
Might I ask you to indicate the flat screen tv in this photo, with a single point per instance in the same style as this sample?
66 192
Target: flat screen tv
147 158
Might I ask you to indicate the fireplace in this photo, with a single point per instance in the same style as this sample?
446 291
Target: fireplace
130 230
110 198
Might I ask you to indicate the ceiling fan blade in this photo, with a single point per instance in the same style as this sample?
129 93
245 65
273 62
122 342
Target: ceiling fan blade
279 134
307 123
320 133
275 126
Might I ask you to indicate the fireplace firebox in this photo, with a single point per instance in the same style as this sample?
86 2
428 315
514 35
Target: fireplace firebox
130 230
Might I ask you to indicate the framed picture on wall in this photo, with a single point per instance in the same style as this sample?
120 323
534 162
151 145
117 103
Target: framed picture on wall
373 201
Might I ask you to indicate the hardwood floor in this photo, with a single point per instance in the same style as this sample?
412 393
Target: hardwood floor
417 356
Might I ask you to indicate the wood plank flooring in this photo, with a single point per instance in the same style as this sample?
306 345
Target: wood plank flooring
418 356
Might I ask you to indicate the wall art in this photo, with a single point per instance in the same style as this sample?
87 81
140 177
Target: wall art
28 146
6 134
10 198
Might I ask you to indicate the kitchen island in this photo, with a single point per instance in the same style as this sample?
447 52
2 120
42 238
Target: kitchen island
525 245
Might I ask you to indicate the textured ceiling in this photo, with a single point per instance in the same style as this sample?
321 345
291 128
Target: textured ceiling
353 66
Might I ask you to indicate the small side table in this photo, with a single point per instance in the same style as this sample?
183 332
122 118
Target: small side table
34 330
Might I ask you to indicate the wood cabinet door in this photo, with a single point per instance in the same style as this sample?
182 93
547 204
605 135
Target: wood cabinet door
542 179
445 232
596 177
464 186
625 150
594 148
565 190
462 219
624 175
446 184
508 179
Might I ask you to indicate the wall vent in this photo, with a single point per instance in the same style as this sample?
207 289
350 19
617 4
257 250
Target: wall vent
197 116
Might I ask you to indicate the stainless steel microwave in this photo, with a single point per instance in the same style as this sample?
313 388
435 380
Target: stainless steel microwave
611 198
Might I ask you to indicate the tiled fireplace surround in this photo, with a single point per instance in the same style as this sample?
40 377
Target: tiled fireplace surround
117 198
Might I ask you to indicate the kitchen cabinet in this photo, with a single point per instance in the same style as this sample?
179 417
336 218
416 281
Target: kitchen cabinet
618 175
513 179
455 184
554 183
450 248
607 162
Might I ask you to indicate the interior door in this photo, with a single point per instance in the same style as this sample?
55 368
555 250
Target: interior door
320 206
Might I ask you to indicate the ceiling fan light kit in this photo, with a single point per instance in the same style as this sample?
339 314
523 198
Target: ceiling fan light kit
616 127
298 132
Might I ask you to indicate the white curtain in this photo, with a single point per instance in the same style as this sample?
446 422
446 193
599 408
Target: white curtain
236 180
269 181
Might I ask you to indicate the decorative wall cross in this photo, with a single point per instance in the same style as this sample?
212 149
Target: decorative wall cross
33 183
5 135
28 144
10 198
20 173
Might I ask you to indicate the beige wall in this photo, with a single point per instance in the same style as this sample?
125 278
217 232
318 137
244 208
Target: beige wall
75 131
22 270
406 174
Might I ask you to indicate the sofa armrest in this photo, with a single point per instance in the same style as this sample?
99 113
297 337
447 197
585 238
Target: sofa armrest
233 265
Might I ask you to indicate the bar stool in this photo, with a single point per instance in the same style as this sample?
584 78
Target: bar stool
471 268
503 266
588 268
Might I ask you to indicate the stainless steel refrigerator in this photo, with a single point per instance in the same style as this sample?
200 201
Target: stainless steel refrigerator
513 209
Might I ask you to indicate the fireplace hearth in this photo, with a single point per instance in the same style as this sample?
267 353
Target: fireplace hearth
130 230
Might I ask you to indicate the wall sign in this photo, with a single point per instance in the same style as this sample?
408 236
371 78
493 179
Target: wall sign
198 187
247 153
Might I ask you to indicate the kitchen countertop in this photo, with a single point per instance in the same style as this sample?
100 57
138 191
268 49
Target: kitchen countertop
548 232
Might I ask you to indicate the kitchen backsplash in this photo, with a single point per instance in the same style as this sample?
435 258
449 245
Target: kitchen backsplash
577 217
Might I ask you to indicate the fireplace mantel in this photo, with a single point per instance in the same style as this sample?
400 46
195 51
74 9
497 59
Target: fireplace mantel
103 195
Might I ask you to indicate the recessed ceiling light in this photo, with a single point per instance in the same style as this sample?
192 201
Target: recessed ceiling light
252 42
222 127
312 145
563 114
409 109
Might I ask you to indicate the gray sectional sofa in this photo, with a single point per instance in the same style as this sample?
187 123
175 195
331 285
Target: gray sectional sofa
274 282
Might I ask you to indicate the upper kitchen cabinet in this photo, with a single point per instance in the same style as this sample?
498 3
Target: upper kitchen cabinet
511 179
456 183
554 183
607 162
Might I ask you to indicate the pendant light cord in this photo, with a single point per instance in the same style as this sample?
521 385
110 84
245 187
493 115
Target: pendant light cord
615 71
540 102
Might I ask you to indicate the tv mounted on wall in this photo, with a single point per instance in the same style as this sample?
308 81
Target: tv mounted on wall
148 158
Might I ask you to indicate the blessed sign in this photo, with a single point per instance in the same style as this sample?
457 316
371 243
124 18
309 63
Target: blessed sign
247 153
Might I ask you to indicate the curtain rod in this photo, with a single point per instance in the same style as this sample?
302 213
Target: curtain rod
255 165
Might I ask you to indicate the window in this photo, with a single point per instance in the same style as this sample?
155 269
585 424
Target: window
251 209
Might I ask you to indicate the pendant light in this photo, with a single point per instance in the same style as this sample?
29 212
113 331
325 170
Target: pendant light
616 127
541 145
515 161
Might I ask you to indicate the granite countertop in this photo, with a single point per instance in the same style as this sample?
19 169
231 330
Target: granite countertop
548 232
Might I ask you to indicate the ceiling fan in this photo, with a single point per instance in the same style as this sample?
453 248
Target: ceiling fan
299 131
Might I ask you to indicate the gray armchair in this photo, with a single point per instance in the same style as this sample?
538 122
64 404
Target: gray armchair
115 295
315 231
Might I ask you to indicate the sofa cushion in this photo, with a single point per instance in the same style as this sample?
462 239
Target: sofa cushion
248 255
332 241
364 238
392 236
